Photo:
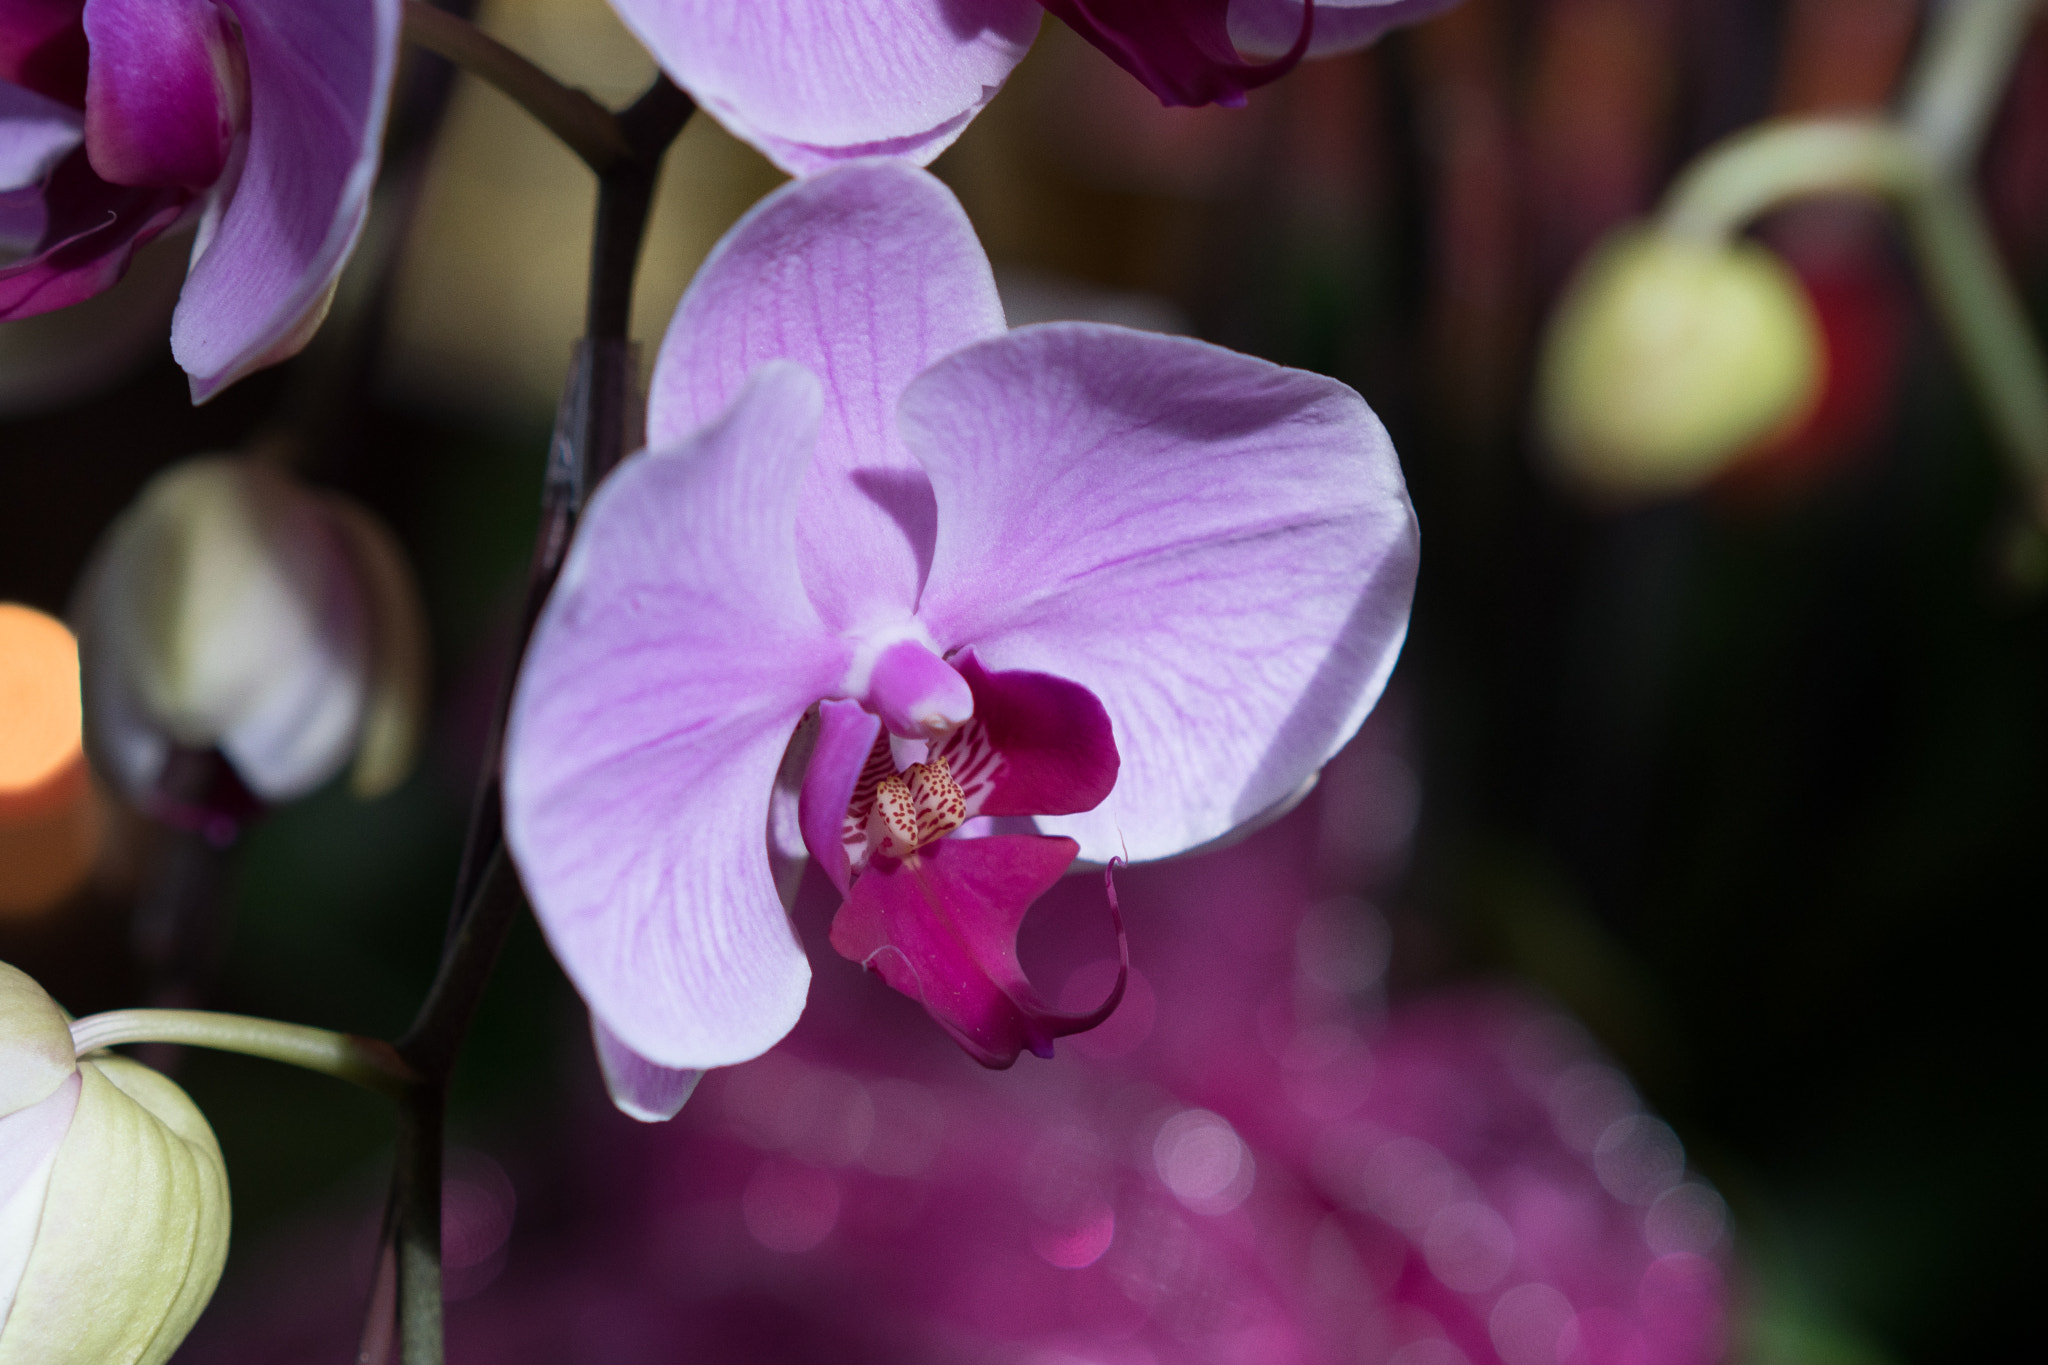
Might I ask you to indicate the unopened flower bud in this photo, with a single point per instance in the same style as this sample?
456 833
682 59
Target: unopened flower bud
1670 357
231 608
113 1198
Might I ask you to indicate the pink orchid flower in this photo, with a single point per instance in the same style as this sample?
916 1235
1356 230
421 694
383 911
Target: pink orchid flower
814 82
258 119
987 601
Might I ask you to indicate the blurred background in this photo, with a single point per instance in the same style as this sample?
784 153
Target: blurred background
1749 783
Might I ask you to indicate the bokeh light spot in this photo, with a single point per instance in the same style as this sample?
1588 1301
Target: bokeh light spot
1588 1100
40 724
1469 1247
1079 1246
1529 1324
1638 1158
1201 1159
50 826
790 1208
909 1128
477 1206
1688 1217
1429 1351
1407 1182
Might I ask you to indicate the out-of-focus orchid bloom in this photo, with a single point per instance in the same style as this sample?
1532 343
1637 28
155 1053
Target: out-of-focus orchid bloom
813 82
233 609
1493 1195
259 119
1253 1168
1072 590
1669 358
1464 1179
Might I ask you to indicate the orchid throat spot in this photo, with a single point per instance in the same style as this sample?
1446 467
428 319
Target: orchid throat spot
899 808
915 807
1028 744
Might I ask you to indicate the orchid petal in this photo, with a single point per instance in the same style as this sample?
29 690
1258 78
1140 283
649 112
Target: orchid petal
1051 741
35 134
30 1138
814 82
846 735
864 276
1220 549
42 47
641 1089
21 221
787 856
165 93
287 217
917 694
665 679
37 1055
90 232
942 929
1267 28
1181 50
135 1229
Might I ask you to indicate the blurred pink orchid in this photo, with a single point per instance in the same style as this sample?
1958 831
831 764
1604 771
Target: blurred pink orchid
261 120
1260 1164
946 605
814 82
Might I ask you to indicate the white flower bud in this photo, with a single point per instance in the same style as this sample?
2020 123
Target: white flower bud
1669 357
113 1198
232 608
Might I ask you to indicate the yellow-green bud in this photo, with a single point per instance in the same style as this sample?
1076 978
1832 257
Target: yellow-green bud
113 1198
1669 357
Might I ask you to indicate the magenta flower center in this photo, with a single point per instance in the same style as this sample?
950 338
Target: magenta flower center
934 763
895 812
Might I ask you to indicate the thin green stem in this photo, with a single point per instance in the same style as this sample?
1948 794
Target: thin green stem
1962 73
416 1228
1987 325
367 1062
583 125
1761 168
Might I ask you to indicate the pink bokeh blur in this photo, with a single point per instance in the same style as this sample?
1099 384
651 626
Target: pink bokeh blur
1255 1161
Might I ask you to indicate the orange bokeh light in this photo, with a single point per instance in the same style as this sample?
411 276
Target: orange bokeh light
49 817
40 726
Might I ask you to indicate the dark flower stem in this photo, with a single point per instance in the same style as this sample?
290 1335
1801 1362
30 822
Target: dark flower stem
597 423
582 125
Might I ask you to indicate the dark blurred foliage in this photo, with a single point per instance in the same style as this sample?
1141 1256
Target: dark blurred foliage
1753 783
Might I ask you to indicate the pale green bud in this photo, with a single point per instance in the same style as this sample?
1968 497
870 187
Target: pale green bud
233 608
1669 357
113 1198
